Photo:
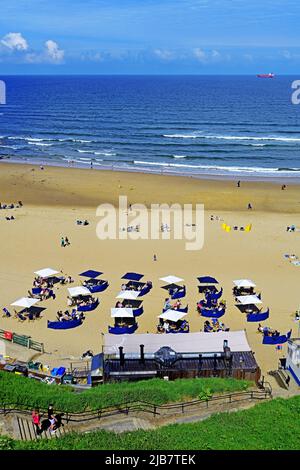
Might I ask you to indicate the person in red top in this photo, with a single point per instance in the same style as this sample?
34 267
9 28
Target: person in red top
36 421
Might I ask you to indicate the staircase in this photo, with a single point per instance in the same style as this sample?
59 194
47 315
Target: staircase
26 431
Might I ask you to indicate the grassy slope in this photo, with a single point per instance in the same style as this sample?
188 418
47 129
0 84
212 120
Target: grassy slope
271 425
24 391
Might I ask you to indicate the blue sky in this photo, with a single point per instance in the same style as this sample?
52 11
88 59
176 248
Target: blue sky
150 36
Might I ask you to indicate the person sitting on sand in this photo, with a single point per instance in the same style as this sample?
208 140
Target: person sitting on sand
59 315
167 304
207 327
177 305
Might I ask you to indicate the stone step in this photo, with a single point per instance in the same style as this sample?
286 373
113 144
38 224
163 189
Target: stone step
26 431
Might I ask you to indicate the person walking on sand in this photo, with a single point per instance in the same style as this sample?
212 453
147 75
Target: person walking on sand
67 243
154 258
249 206
239 184
62 242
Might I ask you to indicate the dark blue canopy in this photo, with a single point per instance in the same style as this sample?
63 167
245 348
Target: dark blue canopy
207 280
91 274
132 276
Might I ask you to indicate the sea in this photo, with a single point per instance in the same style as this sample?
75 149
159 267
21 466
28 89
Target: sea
211 126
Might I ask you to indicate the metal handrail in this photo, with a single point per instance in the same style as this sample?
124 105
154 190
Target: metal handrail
139 406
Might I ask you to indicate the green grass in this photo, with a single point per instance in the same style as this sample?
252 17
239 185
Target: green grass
272 425
28 392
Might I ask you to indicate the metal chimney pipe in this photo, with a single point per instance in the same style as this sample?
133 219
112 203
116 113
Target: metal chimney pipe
142 356
122 356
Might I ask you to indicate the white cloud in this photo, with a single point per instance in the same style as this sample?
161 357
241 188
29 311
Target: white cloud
215 54
15 41
164 54
288 55
209 55
200 54
53 51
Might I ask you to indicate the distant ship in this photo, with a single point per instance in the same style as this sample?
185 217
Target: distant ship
266 75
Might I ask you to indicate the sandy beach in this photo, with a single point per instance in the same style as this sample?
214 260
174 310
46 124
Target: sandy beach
54 198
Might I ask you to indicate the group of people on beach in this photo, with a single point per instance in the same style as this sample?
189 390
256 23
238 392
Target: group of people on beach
134 286
267 331
214 326
81 301
64 242
168 306
11 206
67 316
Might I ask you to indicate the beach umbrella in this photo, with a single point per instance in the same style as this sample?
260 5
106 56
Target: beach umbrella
172 315
128 294
248 299
47 272
121 313
76 291
171 279
244 283
25 302
132 276
91 274
207 280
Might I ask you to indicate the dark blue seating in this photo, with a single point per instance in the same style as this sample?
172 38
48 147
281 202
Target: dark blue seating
260 316
64 325
212 313
183 309
98 287
178 294
214 295
36 290
6 312
281 339
88 308
138 311
122 330
184 328
145 290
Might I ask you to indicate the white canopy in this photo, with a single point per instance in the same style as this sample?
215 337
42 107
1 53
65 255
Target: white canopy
249 299
128 294
47 272
172 315
121 312
244 283
76 291
25 302
171 279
